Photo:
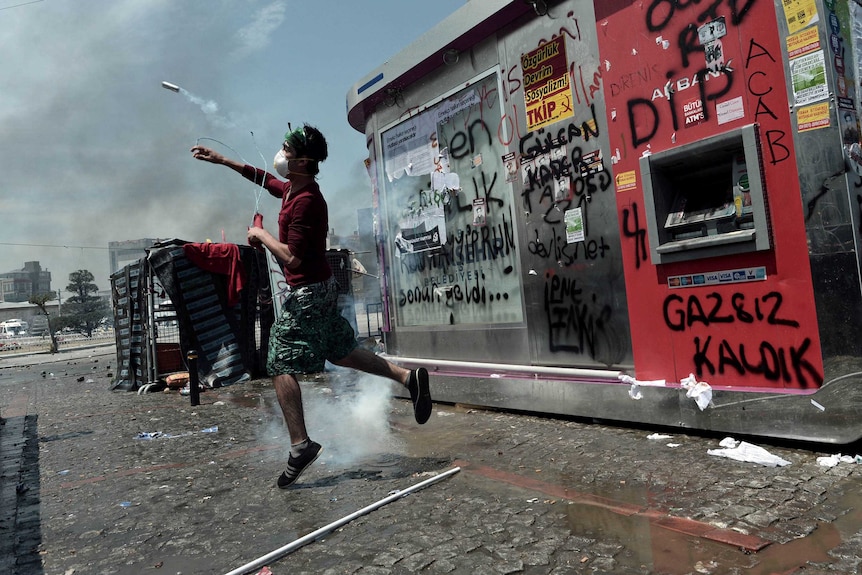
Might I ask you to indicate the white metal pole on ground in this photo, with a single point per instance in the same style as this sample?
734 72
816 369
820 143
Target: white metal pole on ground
262 561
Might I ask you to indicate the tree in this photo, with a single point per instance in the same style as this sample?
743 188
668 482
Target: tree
83 311
40 299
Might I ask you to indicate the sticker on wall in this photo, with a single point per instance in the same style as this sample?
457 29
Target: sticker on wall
730 110
411 147
709 35
480 212
591 163
693 111
813 117
808 74
422 231
547 87
800 14
625 181
562 188
574 226
511 163
802 43
718 278
443 179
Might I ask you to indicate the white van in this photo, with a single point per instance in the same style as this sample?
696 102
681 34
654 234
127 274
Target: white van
13 328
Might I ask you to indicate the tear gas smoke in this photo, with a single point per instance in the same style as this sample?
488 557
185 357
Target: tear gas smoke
208 107
348 415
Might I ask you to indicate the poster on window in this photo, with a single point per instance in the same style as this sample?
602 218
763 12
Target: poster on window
447 213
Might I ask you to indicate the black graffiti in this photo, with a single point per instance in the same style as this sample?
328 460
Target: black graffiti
558 250
482 187
535 144
774 364
463 144
759 86
635 231
824 190
582 188
469 245
574 320
648 107
471 292
680 313
661 12
689 43
762 107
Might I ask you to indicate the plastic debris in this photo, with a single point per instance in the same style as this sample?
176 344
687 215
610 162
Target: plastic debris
148 435
658 436
750 453
674 444
126 504
817 405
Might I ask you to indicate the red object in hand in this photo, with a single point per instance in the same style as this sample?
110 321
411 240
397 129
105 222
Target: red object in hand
258 223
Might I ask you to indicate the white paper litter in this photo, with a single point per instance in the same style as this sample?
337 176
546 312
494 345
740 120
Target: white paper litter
699 390
658 436
750 453
833 460
635 389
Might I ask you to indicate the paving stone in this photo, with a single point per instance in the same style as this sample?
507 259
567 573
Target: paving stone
211 499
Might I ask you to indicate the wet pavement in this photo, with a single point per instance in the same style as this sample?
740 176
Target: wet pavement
100 482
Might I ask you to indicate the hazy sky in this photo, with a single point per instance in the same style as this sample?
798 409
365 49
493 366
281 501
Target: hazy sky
95 150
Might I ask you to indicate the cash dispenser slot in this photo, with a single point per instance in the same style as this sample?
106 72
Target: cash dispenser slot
706 198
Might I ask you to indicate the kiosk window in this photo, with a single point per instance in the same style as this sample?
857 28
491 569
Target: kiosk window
706 198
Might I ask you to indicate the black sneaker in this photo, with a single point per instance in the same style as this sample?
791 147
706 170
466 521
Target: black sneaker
296 465
420 395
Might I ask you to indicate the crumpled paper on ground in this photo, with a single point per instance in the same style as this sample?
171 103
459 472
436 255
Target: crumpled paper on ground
833 460
743 451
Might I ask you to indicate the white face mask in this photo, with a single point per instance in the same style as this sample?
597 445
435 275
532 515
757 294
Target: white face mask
280 163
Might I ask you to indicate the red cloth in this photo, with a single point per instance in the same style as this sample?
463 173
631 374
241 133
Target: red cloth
221 259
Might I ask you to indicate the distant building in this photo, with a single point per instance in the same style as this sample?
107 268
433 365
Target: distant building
126 252
19 285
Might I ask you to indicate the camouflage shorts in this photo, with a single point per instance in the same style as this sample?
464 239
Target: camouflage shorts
309 331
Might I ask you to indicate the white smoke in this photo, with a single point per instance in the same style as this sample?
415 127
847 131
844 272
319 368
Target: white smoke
348 415
209 108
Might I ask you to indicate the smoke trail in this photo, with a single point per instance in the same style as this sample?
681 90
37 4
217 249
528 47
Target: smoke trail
209 108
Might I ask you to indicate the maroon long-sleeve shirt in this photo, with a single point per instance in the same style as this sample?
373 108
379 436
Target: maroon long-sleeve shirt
303 223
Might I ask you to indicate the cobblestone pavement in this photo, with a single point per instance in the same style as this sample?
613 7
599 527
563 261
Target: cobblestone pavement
100 482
